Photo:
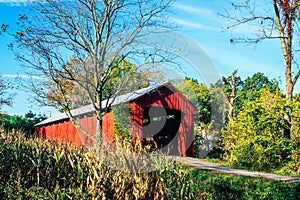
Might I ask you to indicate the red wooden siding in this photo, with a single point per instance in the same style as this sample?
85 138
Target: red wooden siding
62 131
89 125
65 131
168 97
165 96
108 129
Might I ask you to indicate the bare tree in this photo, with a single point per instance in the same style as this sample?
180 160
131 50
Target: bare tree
99 34
231 86
278 21
76 97
4 98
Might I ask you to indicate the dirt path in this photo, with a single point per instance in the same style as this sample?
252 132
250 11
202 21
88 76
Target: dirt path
202 164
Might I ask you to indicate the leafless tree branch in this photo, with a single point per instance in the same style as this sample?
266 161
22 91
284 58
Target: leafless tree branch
79 44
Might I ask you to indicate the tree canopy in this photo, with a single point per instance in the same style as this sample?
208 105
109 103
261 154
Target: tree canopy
199 96
255 138
24 124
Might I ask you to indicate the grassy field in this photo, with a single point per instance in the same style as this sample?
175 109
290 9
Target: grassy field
38 169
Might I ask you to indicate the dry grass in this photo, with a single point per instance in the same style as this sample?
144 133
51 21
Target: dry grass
36 168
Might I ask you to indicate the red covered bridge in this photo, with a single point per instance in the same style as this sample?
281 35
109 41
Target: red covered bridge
158 112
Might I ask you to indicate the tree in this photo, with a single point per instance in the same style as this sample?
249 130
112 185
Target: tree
209 102
252 88
25 123
100 35
231 86
77 98
199 96
4 86
238 92
281 23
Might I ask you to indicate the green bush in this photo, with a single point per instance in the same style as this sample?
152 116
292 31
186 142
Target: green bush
22 123
260 153
255 139
122 121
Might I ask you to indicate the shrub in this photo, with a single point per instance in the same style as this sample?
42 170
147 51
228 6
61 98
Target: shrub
22 123
255 139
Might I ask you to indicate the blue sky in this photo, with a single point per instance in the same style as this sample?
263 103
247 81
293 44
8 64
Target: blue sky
198 19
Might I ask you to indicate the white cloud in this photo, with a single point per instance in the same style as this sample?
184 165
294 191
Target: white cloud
207 19
193 24
19 76
210 16
15 2
195 10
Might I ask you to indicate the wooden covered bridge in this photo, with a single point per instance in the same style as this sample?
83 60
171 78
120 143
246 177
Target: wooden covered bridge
159 112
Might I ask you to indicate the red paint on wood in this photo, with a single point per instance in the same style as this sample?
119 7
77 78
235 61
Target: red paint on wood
108 129
166 97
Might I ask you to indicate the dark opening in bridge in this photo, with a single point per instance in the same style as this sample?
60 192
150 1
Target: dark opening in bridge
160 126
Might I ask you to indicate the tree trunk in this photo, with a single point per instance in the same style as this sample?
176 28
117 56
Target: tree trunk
285 30
99 132
289 91
230 101
287 116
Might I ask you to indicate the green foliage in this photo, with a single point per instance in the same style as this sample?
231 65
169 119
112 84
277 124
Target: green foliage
295 119
252 88
122 121
202 184
23 123
255 138
249 89
179 182
124 71
210 106
198 142
199 96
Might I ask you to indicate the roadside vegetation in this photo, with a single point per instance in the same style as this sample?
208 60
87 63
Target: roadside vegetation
42 169
261 130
